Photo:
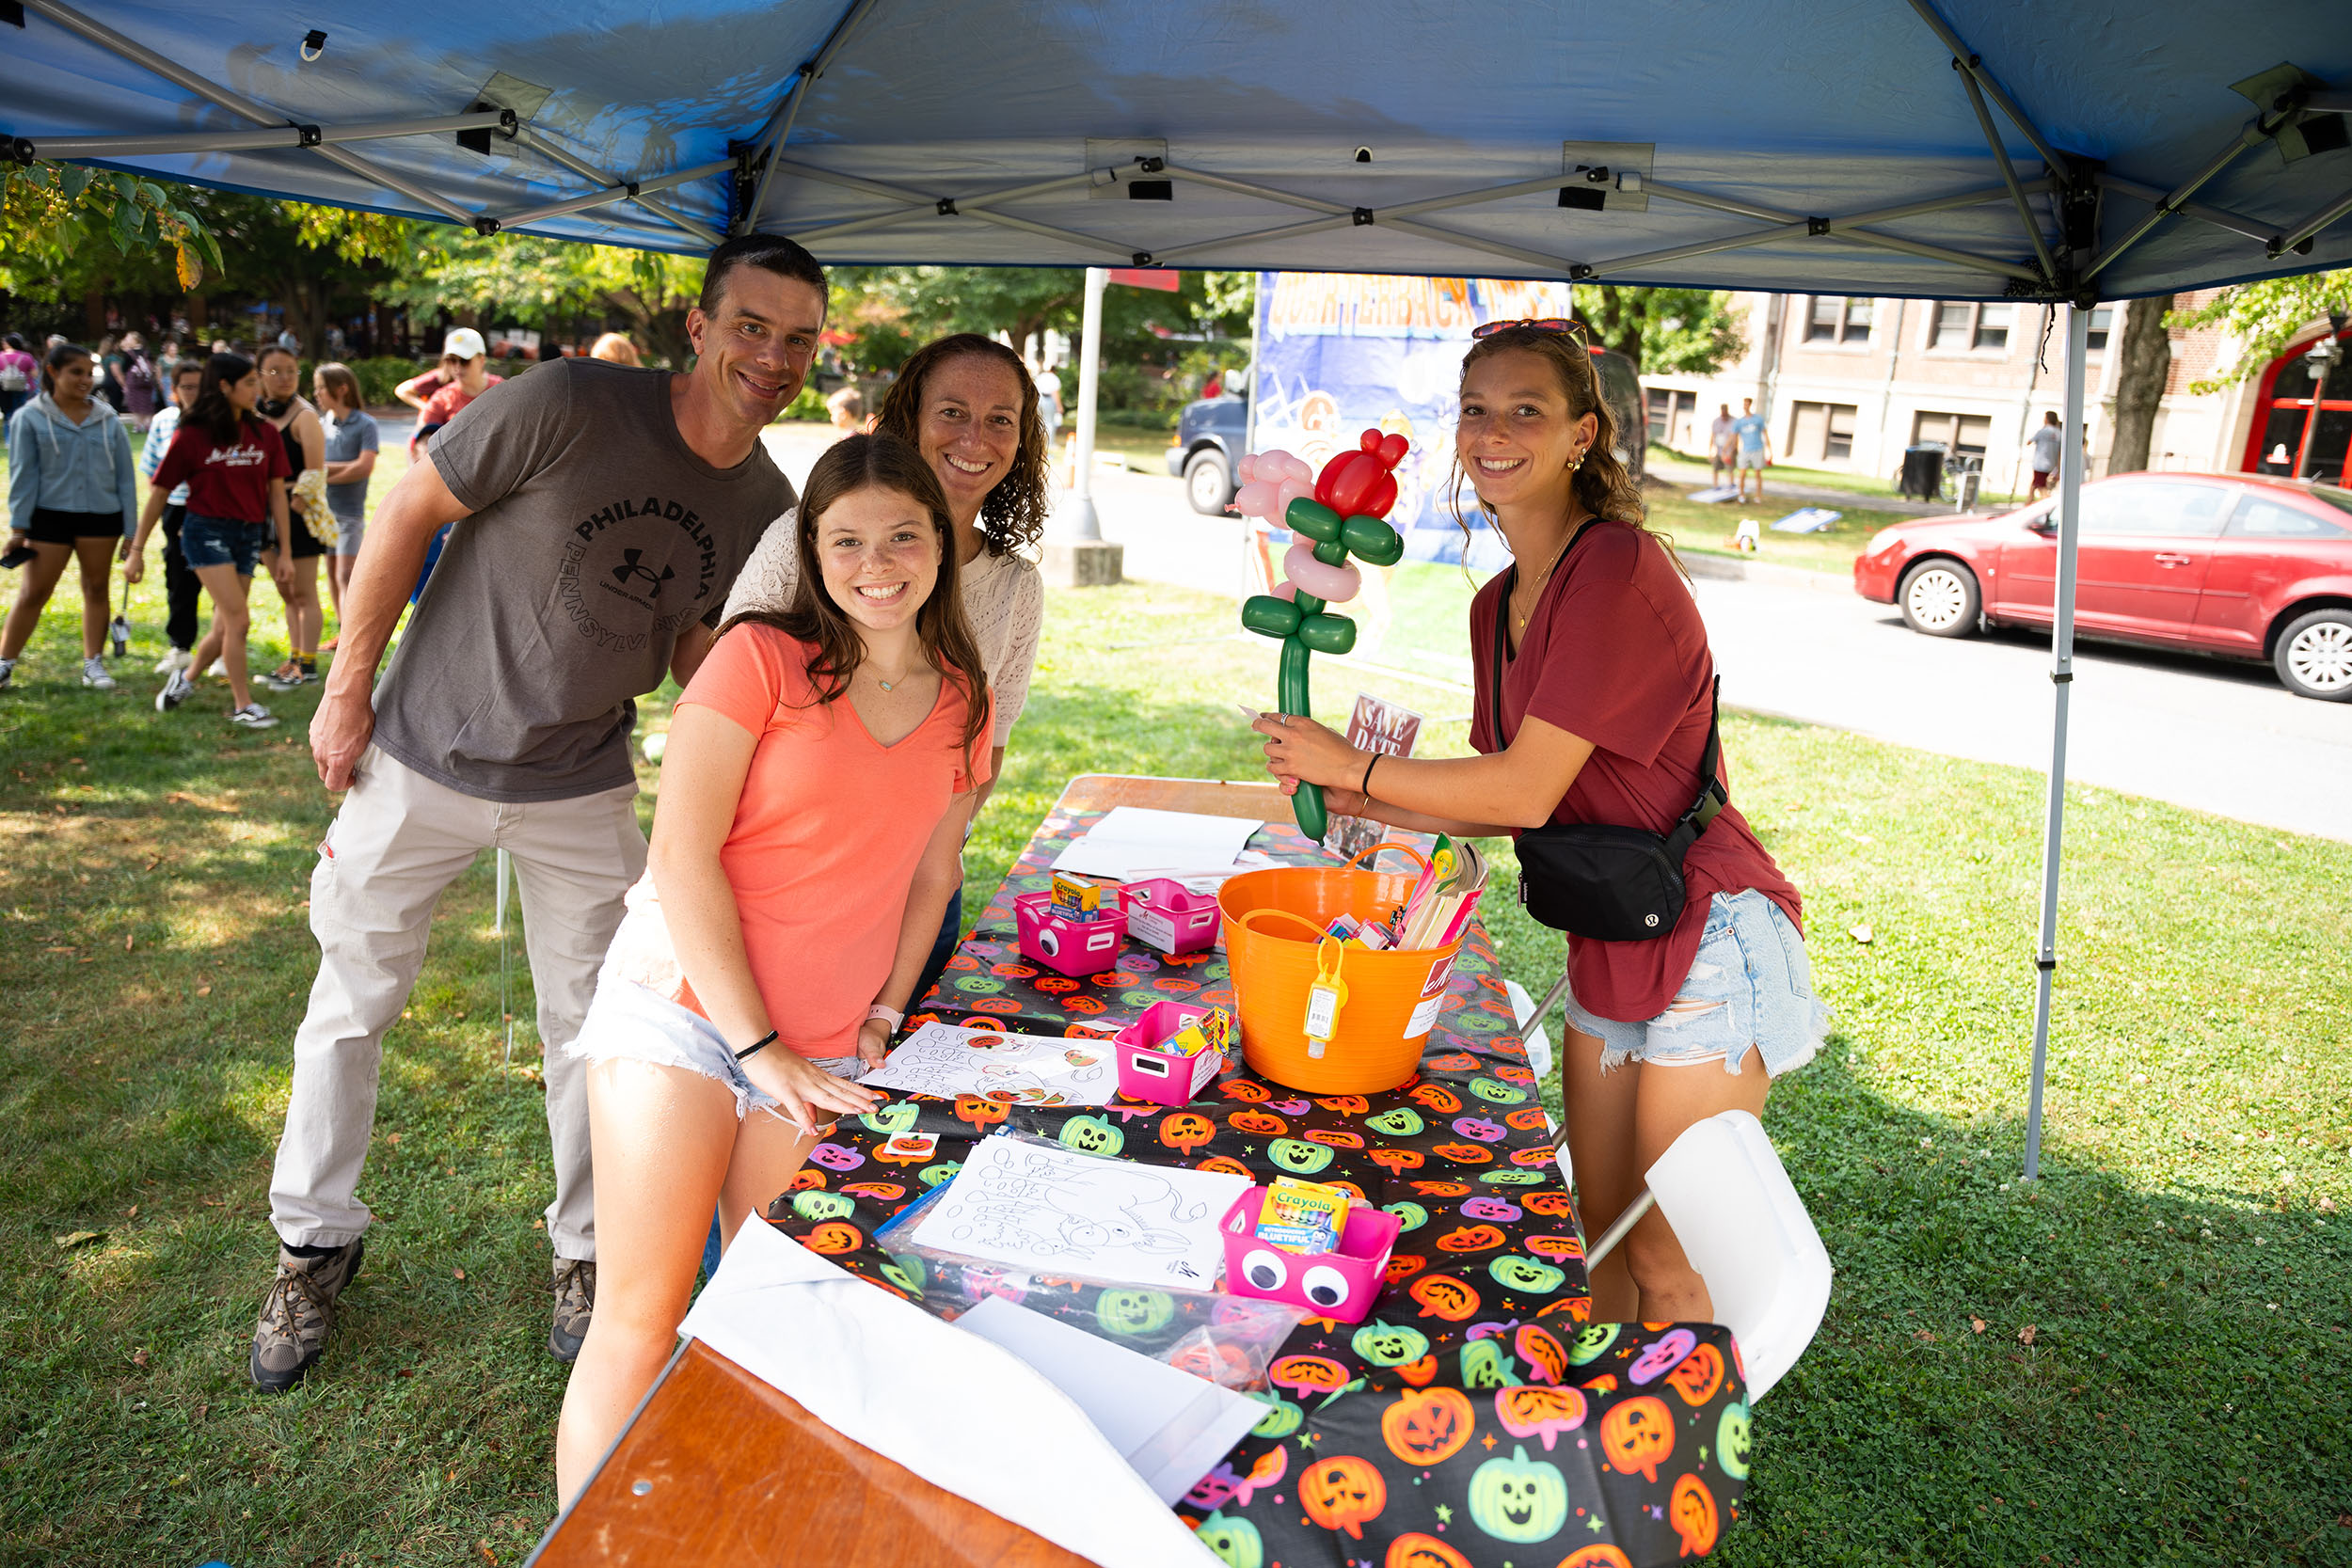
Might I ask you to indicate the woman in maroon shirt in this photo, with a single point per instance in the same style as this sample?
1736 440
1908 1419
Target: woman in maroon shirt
1607 690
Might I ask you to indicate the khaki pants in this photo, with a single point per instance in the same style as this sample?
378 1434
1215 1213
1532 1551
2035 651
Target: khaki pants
398 841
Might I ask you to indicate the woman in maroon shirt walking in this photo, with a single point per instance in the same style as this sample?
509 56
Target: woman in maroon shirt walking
1606 703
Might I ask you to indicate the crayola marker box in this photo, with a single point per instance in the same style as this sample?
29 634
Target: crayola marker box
1305 1217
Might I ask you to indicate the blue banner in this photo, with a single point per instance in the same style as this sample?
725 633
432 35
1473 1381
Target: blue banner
1342 353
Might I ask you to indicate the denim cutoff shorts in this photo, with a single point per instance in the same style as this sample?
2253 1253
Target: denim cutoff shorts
1749 986
222 542
631 1022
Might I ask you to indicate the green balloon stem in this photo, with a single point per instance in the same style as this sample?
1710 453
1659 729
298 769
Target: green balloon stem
1291 687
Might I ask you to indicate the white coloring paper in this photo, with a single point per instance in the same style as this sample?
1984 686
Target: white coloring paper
1057 1212
1132 839
944 1060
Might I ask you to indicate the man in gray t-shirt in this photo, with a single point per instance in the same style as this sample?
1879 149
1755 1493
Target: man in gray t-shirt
602 514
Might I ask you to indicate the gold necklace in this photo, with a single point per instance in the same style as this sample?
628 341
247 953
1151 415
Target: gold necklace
1536 591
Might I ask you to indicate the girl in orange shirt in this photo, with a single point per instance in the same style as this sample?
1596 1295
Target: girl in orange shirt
821 767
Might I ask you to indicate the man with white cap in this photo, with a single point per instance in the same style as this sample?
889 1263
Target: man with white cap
607 512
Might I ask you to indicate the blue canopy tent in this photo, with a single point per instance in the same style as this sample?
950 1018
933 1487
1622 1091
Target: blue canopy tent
2065 152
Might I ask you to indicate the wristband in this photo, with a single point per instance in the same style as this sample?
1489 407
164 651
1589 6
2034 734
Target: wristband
888 1015
1365 786
758 1046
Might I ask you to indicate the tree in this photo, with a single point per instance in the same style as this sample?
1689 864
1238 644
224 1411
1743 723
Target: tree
2265 318
522 276
2147 364
51 213
1021 302
1684 331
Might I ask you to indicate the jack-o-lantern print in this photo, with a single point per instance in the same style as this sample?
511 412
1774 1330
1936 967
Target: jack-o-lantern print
1518 1499
1691 1509
1599 1555
1530 1411
1342 1493
1443 1296
1415 1550
1696 1376
1427 1427
1235 1540
1638 1436
1186 1131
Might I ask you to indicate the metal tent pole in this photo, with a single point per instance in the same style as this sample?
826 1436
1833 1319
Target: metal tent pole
2062 681
1077 518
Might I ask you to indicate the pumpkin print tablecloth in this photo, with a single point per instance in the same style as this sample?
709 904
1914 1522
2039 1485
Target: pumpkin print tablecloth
1476 1418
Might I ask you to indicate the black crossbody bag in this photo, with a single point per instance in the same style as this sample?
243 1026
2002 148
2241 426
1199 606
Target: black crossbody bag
1596 880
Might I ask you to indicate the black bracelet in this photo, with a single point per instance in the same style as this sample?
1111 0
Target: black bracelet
1364 789
758 1046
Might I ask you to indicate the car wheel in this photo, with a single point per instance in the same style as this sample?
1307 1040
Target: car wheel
1939 597
1208 484
2314 656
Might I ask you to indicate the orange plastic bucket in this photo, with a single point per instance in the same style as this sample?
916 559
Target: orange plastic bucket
1274 922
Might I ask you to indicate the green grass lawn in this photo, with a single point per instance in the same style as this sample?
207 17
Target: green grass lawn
2139 1360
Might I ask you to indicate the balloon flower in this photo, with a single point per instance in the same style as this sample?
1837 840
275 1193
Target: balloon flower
1339 515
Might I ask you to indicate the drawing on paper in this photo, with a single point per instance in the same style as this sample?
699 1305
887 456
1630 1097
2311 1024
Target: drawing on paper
944 1060
1059 1211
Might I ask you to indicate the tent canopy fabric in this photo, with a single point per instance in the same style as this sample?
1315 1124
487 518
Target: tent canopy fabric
1758 146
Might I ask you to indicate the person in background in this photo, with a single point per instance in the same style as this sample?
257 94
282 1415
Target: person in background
108 362
19 374
616 348
181 586
465 366
846 409
1756 449
1596 705
1215 385
351 448
843 736
70 496
1049 401
417 387
314 529
142 389
2044 445
967 403
236 471
606 511
1722 445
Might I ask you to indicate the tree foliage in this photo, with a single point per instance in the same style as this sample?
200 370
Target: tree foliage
2265 318
1684 331
51 213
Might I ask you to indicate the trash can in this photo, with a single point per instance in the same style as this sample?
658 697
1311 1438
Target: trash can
1923 471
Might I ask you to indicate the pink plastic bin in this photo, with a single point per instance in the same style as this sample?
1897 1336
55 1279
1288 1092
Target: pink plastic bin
1067 946
1163 1077
1341 1284
1164 914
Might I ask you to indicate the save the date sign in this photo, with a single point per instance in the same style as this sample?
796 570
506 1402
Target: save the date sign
1376 726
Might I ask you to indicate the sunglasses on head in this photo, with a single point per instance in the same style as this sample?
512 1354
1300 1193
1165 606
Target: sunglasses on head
1533 323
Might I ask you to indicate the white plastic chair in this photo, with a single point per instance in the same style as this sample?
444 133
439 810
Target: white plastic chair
1745 1230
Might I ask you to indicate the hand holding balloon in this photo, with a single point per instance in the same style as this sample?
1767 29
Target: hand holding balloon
1338 515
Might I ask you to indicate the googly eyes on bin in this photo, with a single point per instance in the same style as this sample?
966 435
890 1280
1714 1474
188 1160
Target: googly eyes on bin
1266 1271
1050 942
1325 1285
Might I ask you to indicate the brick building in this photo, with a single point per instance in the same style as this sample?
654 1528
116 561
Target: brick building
1849 383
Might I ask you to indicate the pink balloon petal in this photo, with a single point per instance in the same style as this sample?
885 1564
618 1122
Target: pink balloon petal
1332 584
1286 591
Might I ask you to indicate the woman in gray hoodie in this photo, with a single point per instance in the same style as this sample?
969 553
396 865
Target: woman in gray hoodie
71 496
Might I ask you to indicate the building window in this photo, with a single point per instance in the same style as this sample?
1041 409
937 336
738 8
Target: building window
1822 432
1959 435
1671 417
1957 324
2102 320
1835 319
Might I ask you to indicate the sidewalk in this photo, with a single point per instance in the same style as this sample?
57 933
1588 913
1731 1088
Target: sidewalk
1698 476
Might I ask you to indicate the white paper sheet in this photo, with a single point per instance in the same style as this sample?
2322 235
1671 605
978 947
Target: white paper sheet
886 1374
1171 1426
1130 839
1054 1211
946 1060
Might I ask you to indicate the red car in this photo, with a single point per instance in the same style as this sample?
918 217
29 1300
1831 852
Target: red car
2237 564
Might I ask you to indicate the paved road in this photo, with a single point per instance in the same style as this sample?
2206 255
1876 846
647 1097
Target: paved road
2217 736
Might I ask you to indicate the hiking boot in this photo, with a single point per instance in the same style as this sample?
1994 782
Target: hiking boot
575 1288
94 676
297 1312
253 716
177 689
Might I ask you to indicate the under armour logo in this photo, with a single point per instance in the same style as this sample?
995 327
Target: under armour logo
630 567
